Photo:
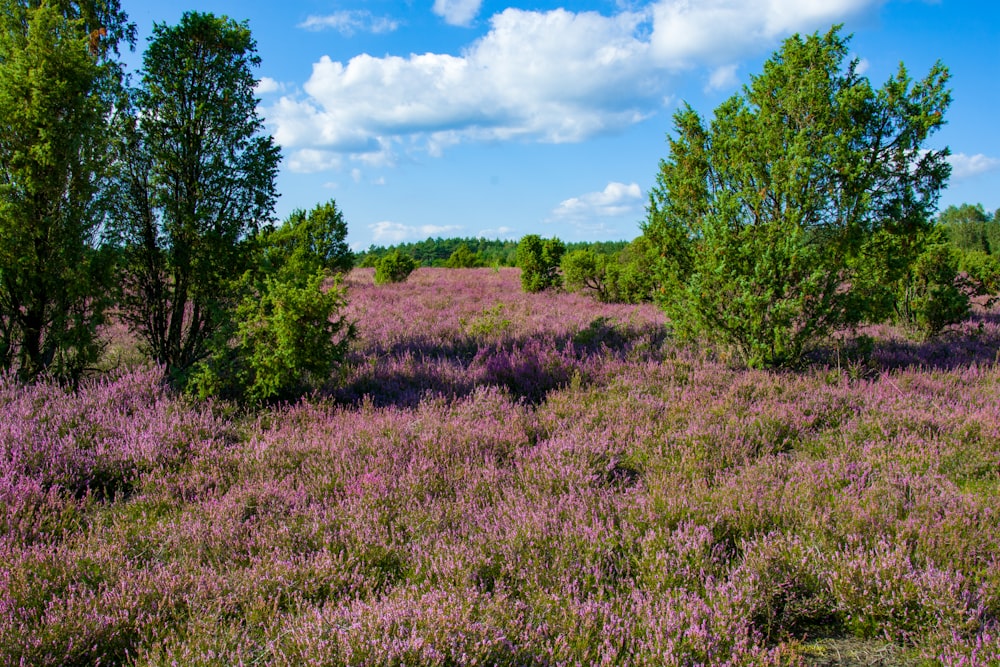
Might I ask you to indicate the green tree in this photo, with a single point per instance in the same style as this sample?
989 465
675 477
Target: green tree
197 182
57 91
585 269
539 261
395 267
463 258
289 332
968 227
308 242
799 208
929 297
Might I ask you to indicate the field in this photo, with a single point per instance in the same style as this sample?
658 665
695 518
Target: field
511 479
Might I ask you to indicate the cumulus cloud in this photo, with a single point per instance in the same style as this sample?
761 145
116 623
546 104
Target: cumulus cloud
689 33
722 78
535 75
967 166
348 22
457 12
616 200
267 85
310 161
552 76
387 232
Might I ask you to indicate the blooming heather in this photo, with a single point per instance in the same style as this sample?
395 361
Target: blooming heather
513 479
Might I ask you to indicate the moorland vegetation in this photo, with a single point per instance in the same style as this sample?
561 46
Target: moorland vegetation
220 443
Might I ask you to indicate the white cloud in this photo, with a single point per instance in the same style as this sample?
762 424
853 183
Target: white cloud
457 12
268 85
616 200
310 160
863 66
967 166
722 78
687 33
553 76
348 22
394 232
535 75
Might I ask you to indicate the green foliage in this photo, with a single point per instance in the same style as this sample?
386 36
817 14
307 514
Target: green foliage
798 209
288 332
464 258
394 268
539 261
290 336
631 279
623 277
492 252
929 297
983 271
309 242
585 270
56 93
971 229
197 177
491 322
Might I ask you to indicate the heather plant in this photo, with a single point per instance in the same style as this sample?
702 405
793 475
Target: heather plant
661 509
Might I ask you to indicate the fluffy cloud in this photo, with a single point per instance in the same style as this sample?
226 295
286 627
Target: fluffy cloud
616 200
687 33
967 166
457 12
348 22
393 232
722 78
534 75
267 85
309 161
555 76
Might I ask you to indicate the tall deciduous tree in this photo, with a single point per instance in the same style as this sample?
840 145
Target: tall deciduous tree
197 181
801 205
58 86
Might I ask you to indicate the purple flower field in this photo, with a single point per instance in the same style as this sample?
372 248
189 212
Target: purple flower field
501 478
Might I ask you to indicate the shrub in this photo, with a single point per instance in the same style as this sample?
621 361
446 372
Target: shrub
393 268
463 258
290 336
539 262
929 298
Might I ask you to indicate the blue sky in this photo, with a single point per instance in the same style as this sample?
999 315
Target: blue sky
430 118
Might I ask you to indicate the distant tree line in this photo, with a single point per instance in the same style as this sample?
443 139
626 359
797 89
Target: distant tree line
469 252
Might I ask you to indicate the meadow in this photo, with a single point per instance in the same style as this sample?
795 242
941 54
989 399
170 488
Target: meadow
500 478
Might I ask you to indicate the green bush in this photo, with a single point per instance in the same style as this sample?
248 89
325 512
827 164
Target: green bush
539 262
585 270
289 338
394 268
308 242
464 258
794 212
929 297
